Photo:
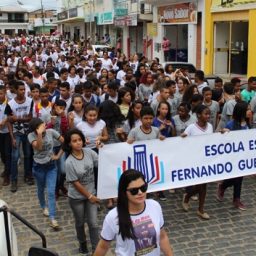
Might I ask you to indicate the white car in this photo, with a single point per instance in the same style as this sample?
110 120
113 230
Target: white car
99 49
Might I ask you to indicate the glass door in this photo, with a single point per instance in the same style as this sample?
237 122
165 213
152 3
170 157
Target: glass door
178 36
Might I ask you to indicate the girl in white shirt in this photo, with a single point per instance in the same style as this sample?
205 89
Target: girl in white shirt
95 132
106 61
201 127
136 224
76 110
73 78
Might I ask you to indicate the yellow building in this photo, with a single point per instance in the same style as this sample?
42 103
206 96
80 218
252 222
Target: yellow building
230 37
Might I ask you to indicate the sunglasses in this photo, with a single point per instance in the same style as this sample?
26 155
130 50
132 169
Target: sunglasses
135 191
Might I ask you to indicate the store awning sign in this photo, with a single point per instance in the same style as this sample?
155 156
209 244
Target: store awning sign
178 13
152 29
121 12
232 5
105 18
129 20
62 15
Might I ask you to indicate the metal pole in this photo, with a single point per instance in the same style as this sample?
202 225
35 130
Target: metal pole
6 225
90 18
42 13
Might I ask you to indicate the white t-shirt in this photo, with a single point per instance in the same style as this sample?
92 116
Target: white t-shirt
38 80
195 129
146 225
73 81
107 64
91 132
120 75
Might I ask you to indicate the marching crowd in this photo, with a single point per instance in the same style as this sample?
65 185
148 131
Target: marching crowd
60 102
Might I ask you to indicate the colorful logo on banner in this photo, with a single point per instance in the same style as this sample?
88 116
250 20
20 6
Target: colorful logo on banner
149 165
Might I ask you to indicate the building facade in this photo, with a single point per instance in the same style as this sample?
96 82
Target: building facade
182 23
13 20
124 21
230 37
42 22
70 19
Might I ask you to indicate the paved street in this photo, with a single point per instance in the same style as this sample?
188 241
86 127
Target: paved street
228 232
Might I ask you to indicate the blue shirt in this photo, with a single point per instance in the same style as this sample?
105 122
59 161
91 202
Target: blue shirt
167 131
230 126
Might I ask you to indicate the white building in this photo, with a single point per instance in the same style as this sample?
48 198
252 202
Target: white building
131 19
125 21
70 19
13 20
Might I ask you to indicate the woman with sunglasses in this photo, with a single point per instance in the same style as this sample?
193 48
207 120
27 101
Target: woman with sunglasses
136 223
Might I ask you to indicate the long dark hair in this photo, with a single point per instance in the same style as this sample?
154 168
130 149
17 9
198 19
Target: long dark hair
239 114
76 95
189 91
130 115
168 115
110 113
67 139
124 220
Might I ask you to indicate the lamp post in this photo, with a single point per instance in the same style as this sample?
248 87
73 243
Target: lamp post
42 13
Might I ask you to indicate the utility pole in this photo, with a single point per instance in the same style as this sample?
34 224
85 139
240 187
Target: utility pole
42 13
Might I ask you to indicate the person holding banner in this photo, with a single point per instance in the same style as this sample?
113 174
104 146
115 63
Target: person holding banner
79 168
201 127
136 223
241 117
146 131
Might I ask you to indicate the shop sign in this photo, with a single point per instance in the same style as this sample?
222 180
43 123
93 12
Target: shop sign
232 5
121 12
72 12
62 15
105 18
178 13
130 20
152 29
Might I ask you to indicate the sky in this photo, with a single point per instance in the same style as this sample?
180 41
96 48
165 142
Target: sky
31 4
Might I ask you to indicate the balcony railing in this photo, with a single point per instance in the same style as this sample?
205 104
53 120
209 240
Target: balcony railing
13 21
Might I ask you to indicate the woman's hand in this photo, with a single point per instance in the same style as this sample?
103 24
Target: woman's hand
55 157
119 130
71 116
94 199
224 130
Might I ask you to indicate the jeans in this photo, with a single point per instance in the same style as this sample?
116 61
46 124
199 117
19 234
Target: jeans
60 169
6 152
45 175
27 152
237 183
197 189
84 211
166 55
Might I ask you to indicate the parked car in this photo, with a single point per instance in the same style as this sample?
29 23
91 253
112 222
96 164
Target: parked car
99 49
210 79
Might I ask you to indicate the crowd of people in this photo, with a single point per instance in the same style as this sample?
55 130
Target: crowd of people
60 102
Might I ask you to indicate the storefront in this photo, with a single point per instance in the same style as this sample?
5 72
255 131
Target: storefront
105 21
181 23
230 37
72 23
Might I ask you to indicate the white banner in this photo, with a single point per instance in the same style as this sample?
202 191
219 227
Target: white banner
179 162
